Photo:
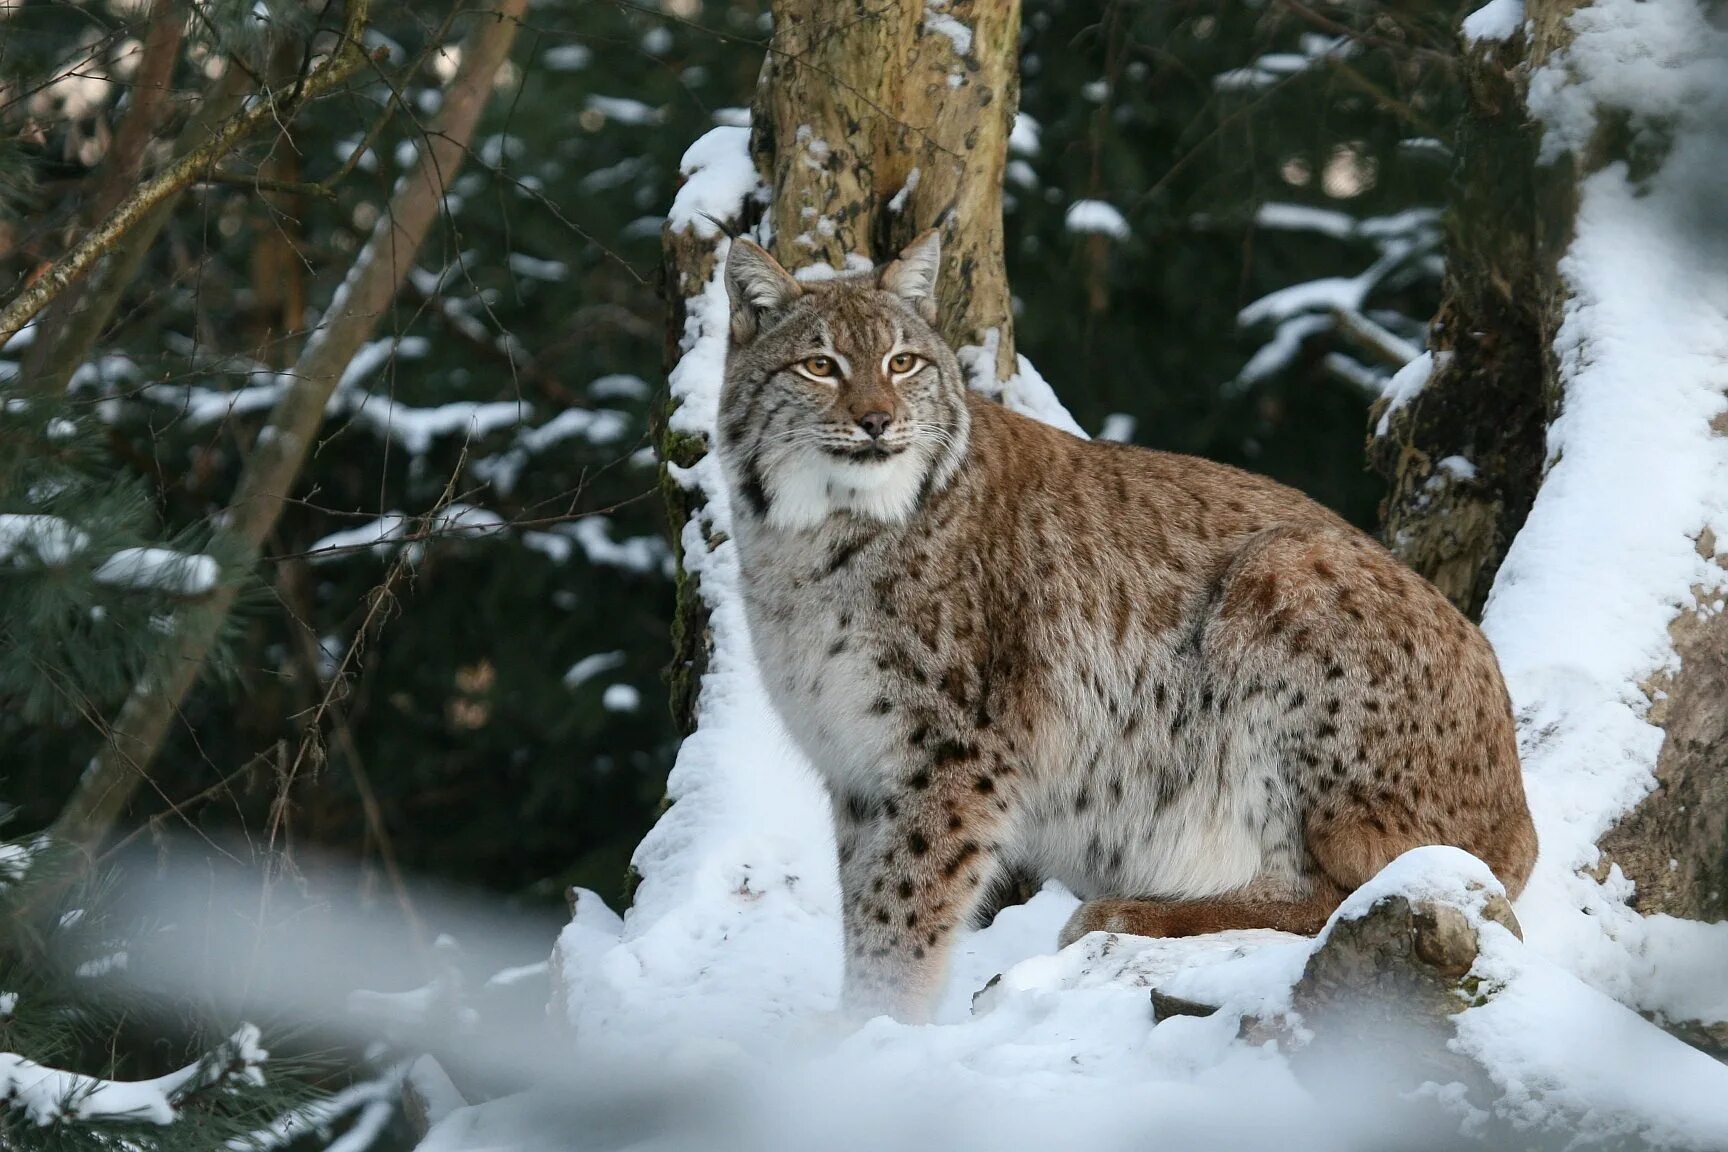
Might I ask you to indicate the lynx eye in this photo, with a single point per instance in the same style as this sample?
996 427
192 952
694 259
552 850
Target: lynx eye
902 362
821 367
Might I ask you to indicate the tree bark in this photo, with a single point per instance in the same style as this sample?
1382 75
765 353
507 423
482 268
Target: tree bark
1490 395
872 124
364 297
869 126
1674 846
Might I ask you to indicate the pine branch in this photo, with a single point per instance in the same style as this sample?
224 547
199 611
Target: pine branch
269 476
347 60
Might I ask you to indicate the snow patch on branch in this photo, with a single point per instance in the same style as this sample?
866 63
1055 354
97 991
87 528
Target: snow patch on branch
48 1095
161 569
1096 216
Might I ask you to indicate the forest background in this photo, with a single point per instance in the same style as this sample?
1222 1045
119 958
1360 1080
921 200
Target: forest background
453 663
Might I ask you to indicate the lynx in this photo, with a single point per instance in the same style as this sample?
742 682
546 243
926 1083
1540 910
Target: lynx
1195 697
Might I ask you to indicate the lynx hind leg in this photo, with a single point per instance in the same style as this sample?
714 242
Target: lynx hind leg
1162 918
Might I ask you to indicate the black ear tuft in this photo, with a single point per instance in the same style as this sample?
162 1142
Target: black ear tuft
724 228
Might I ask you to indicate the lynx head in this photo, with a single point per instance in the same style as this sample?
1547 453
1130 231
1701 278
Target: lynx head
840 397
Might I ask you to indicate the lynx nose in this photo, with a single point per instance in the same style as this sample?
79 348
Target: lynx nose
875 423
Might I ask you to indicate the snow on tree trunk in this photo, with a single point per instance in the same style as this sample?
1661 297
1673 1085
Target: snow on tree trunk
864 133
1587 304
735 901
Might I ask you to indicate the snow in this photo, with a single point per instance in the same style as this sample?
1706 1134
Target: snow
1272 67
1024 136
939 22
1634 469
1558 1048
1096 216
20 339
593 534
159 568
54 541
1302 218
624 110
1327 294
366 1098
1118 426
415 428
591 425
708 1002
1457 467
375 536
719 173
47 1095
50 539
898 202
533 268
589 667
621 698
619 386
1405 384
567 58
1659 60
1495 20
1278 352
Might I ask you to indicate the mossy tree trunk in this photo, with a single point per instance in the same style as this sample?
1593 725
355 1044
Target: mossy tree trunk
1494 393
870 124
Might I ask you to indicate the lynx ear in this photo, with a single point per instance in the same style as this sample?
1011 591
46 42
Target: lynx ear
757 285
912 274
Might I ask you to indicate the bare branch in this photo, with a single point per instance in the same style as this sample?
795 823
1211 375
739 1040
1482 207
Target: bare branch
1387 347
267 481
347 60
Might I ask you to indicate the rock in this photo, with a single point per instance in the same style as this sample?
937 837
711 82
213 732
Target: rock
1376 1002
1165 1006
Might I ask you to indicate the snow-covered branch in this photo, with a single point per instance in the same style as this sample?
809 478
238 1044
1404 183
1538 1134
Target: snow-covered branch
48 1095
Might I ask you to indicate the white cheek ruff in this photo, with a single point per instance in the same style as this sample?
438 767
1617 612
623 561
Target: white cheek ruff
806 490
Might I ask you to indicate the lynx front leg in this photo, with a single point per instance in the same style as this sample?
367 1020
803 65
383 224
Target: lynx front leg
914 864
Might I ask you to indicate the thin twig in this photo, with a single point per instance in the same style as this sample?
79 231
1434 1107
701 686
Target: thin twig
347 61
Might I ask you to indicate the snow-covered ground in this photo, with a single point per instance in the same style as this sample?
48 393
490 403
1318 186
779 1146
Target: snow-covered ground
708 1005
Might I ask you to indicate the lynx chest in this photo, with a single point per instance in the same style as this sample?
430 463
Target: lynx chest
821 651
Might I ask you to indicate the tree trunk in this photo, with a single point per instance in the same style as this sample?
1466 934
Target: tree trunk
360 304
1500 386
1489 397
869 126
